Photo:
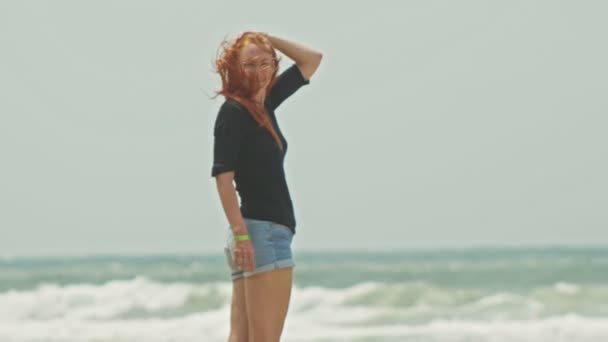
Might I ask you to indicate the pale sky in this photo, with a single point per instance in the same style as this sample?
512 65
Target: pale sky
428 124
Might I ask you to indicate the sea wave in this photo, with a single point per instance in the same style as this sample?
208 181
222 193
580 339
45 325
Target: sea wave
364 303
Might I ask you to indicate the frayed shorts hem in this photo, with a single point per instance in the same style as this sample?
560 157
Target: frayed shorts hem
270 267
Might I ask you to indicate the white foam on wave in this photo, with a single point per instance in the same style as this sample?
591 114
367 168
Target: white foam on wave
567 328
106 301
326 304
84 312
210 325
362 302
567 288
213 326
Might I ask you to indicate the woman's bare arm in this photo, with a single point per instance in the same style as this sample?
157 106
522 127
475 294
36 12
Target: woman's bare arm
228 197
307 59
244 253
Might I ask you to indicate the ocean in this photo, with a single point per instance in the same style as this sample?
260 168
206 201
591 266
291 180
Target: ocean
545 294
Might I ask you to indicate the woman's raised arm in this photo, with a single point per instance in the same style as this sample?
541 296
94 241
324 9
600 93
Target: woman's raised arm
307 59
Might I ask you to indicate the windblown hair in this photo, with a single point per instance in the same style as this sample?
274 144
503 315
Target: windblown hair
239 86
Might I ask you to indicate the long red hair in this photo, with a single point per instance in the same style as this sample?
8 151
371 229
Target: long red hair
237 85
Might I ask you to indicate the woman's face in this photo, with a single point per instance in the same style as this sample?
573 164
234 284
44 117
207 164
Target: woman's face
258 64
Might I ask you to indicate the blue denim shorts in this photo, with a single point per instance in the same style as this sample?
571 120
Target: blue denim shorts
271 243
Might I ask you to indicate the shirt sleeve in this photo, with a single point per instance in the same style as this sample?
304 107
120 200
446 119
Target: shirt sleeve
287 83
229 131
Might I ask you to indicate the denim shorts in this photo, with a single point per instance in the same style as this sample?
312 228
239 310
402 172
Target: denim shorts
271 243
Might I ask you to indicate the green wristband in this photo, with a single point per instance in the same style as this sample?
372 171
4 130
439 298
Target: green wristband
242 237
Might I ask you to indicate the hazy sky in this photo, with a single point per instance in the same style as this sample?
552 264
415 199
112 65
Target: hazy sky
428 124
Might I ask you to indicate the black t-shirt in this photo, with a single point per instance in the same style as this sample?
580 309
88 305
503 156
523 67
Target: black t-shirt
242 146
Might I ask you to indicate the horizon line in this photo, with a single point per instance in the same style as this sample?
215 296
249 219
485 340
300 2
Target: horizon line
353 249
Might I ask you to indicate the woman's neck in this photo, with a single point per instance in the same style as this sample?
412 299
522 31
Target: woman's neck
259 98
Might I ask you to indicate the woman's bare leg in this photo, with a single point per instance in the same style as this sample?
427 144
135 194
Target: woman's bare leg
267 295
238 313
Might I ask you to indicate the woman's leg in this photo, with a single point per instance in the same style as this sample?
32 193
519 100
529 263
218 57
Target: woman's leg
238 313
267 295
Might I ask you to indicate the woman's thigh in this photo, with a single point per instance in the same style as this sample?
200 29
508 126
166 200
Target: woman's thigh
267 298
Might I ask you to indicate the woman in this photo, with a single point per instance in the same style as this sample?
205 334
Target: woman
249 149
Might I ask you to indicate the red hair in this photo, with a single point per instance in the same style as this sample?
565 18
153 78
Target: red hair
237 85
